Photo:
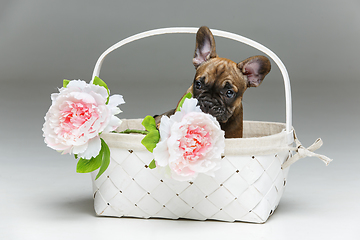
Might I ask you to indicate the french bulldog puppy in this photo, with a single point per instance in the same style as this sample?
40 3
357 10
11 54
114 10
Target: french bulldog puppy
219 83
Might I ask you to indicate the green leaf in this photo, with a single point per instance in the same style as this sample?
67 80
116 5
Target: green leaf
65 83
188 95
101 161
86 166
149 123
152 165
105 153
99 82
151 139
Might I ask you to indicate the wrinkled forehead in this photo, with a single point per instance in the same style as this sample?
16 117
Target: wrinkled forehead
223 73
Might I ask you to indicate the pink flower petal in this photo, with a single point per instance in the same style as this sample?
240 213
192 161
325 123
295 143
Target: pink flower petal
93 148
161 153
77 116
191 143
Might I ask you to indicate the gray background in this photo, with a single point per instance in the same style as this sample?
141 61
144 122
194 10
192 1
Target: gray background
43 42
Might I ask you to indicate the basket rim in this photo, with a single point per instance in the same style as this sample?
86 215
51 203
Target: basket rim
274 139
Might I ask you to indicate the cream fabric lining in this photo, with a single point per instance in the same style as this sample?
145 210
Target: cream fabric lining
259 138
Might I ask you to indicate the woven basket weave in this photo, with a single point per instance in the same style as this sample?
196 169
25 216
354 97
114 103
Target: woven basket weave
247 187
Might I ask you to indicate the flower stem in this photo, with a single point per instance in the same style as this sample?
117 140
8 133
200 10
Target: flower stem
144 132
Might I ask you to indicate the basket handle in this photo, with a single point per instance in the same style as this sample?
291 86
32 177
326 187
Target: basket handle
218 33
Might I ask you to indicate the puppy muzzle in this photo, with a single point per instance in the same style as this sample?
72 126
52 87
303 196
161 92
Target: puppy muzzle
214 108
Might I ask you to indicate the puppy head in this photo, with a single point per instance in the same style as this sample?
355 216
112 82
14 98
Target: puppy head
220 83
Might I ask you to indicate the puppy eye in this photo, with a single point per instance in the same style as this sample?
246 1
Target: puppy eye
230 93
197 84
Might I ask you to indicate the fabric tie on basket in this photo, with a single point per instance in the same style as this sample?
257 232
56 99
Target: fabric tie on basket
303 152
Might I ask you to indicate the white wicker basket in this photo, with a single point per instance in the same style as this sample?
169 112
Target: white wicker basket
247 187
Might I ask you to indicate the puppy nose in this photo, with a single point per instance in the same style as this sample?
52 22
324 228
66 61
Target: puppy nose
207 106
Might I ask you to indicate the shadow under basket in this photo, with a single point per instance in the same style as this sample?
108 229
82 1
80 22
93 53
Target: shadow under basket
247 187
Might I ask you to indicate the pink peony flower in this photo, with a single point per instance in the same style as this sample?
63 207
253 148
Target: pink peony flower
191 142
77 116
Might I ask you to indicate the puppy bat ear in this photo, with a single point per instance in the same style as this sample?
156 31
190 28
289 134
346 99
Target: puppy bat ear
205 46
255 69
